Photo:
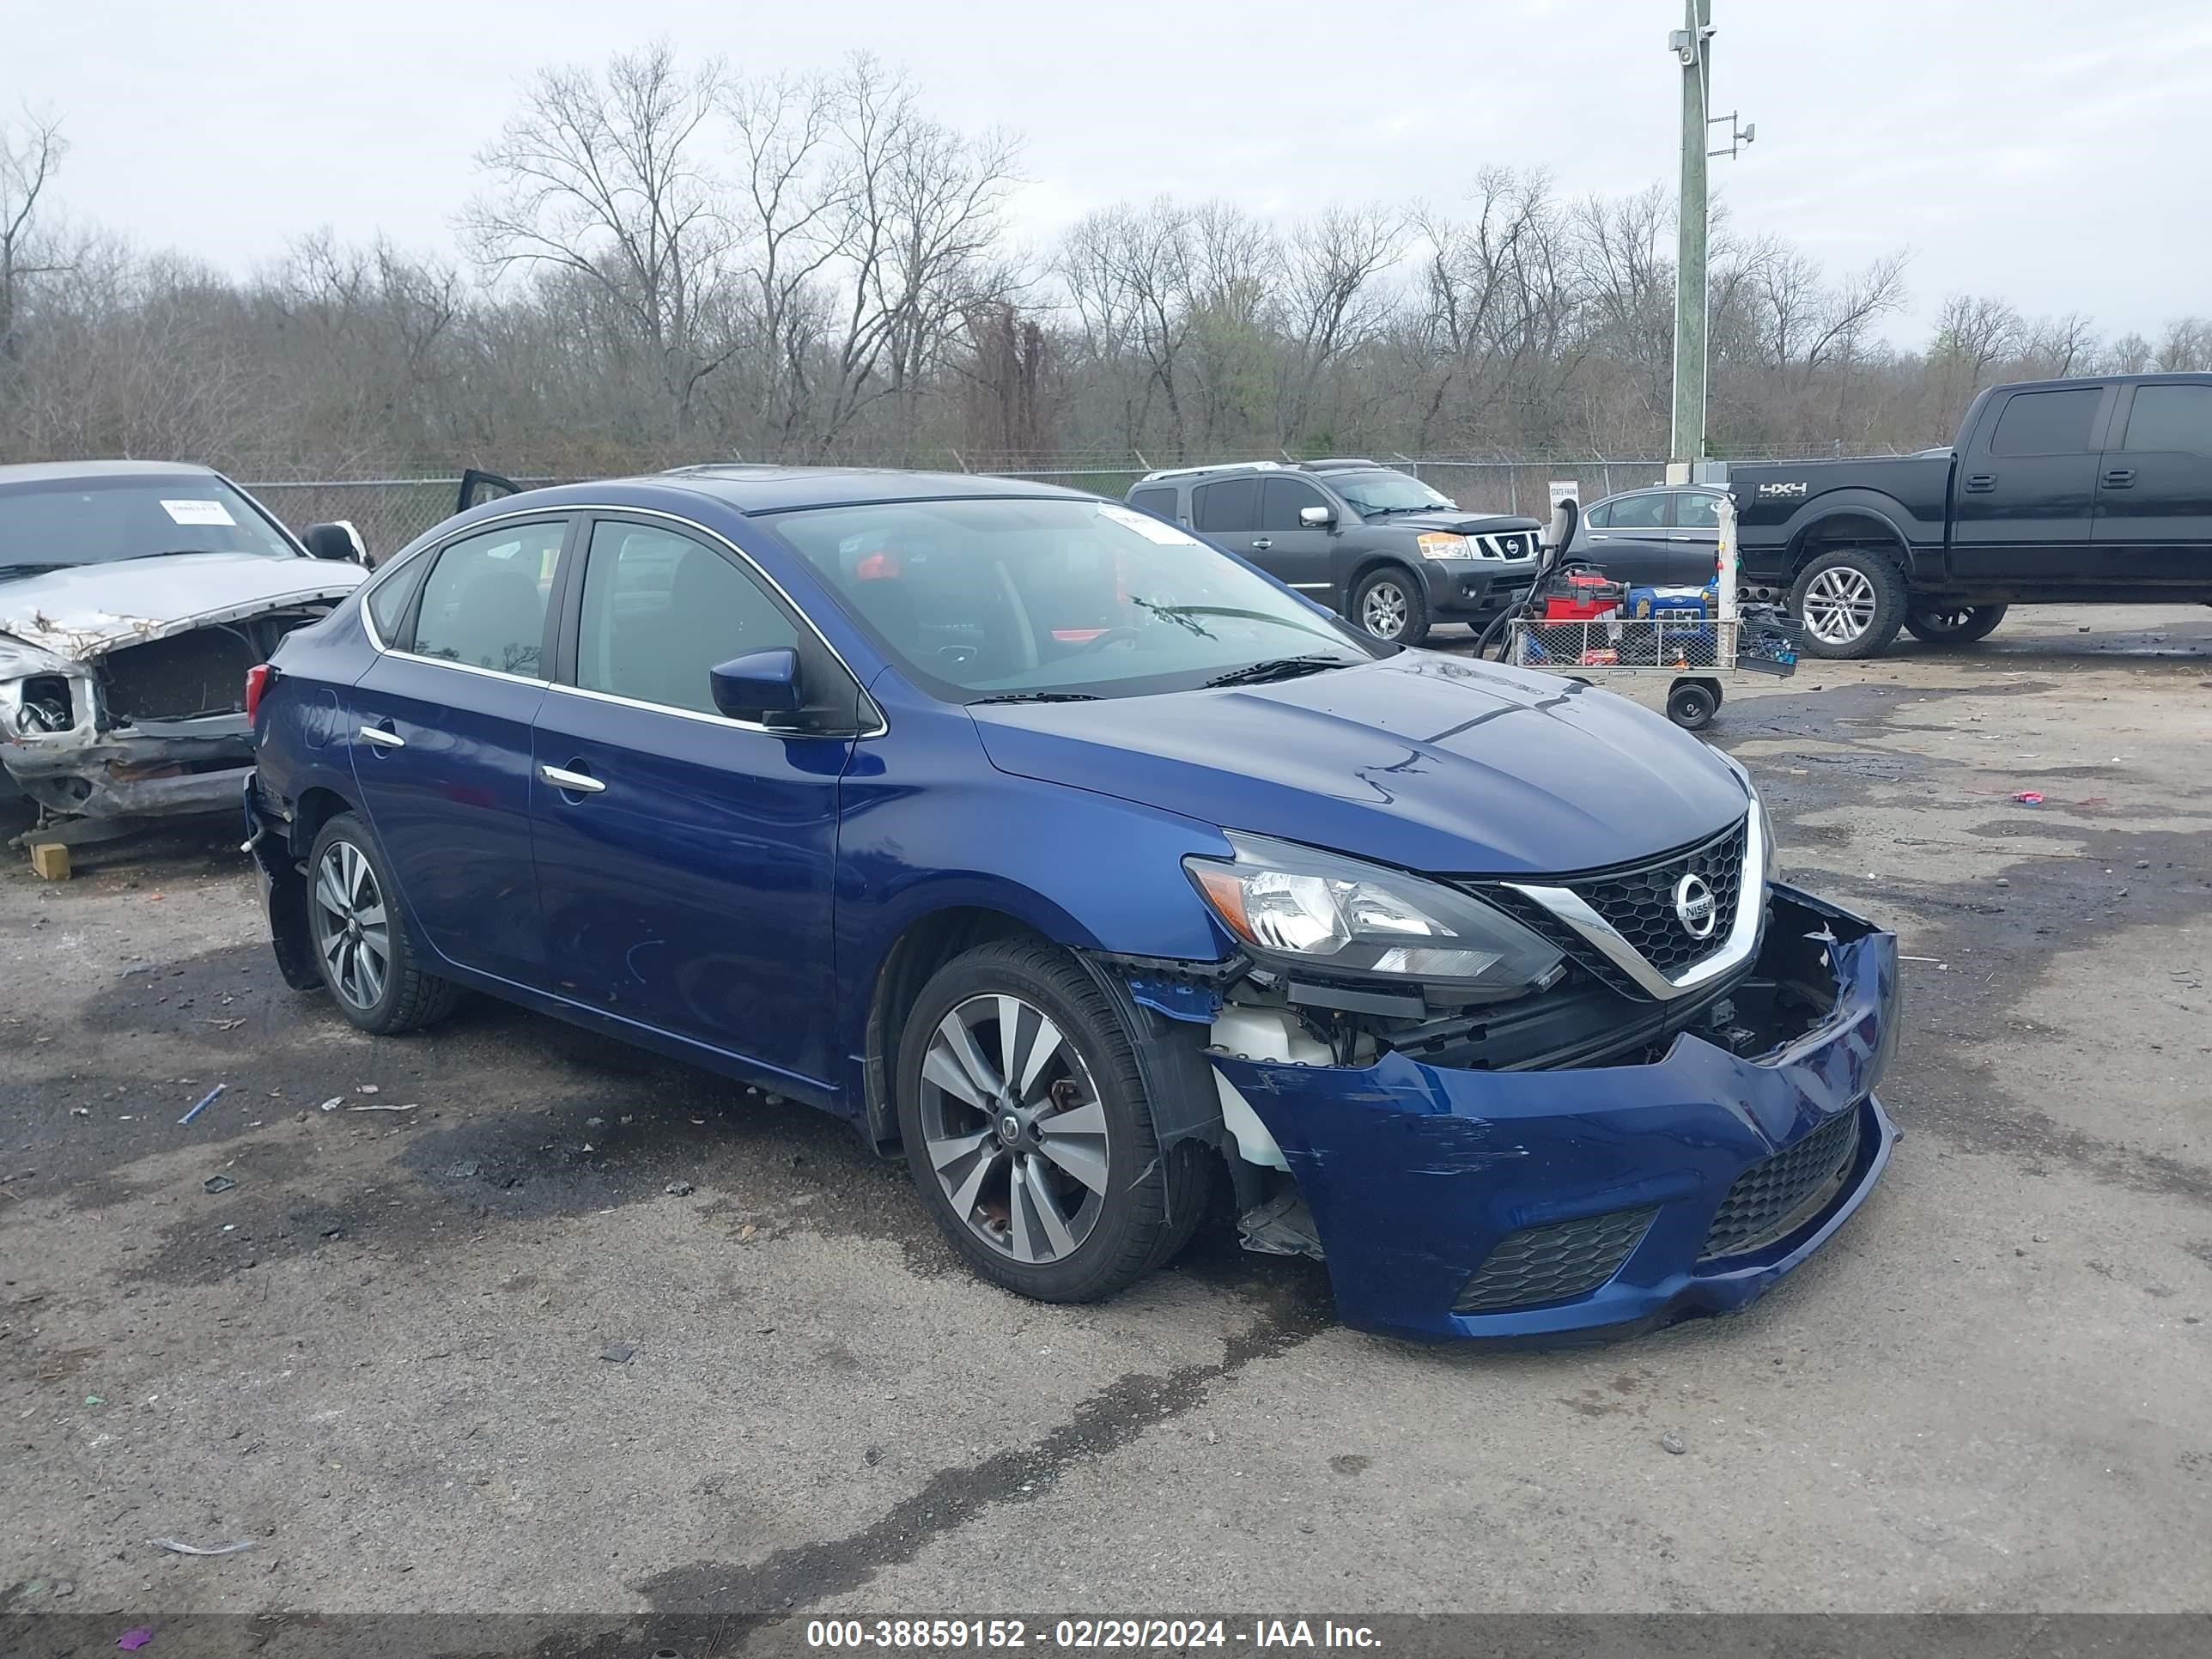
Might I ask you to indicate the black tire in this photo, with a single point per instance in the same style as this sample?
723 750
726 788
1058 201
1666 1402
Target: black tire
1858 603
1961 624
1691 704
1392 591
1119 1232
406 997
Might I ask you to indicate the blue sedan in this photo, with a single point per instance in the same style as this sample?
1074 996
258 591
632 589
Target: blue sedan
1098 876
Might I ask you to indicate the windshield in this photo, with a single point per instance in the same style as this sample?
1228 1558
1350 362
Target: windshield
1385 491
1038 600
57 522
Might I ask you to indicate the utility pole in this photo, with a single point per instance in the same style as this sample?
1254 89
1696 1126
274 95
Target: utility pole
1692 48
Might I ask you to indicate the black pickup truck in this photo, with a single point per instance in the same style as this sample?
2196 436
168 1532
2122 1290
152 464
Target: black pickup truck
2094 491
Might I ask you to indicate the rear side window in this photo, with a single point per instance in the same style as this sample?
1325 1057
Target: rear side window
389 599
2172 417
1232 504
2047 423
1160 501
1694 510
483 603
1280 499
661 611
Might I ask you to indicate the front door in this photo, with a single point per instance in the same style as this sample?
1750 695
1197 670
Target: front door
2025 488
2155 488
440 728
1287 547
684 858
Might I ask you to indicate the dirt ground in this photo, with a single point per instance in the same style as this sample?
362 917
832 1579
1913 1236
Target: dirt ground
586 1332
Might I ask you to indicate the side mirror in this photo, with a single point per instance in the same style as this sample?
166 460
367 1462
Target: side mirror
335 541
758 684
1313 518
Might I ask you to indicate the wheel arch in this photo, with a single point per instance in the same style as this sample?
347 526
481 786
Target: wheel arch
1845 524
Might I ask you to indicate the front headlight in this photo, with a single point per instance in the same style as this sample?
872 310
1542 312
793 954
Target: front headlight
1302 909
1442 545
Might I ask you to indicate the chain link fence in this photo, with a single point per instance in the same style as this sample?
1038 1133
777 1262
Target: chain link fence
390 513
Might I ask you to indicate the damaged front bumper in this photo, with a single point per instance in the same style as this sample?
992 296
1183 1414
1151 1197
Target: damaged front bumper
154 768
1542 1206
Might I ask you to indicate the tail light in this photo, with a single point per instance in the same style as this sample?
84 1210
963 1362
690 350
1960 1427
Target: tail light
258 678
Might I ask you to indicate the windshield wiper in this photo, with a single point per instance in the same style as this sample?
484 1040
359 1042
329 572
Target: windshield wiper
1426 506
1279 668
8 570
1034 696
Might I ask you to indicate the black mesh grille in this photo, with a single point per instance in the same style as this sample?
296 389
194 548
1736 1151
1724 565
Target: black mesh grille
1776 1193
1553 1264
1640 903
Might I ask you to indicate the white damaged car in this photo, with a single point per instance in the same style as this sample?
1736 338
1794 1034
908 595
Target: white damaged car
133 597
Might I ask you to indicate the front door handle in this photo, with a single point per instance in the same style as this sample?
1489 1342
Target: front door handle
1261 543
383 737
575 783
1982 483
2119 478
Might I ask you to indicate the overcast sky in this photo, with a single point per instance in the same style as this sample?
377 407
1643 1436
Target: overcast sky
2054 154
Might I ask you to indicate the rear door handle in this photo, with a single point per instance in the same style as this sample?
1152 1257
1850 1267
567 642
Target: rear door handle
2119 478
575 783
1261 544
383 737
1981 483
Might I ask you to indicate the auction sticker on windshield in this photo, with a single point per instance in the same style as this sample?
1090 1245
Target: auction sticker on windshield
1151 529
198 511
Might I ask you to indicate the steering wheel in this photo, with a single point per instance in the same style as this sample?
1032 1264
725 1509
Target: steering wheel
1112 636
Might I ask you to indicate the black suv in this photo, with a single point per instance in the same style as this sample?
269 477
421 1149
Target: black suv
1377 545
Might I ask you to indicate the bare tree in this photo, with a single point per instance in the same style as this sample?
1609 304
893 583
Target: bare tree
1332 298
28 162
607 178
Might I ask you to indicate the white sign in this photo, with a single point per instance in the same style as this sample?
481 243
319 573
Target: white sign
200 512
1566 490
1151 529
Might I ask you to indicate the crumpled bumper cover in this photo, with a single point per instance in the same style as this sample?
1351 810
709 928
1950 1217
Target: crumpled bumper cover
154 769
1415 1174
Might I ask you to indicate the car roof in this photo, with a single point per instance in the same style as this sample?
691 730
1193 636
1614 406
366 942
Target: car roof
772 488
63 472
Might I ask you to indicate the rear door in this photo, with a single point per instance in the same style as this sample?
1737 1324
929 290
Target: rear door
2155 488
1159 500
1226 512
2028 487
684 858
1288 549
1627 538
439 729
1693 536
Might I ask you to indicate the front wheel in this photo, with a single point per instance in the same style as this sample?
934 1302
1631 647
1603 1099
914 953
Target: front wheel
1029 1131
1958 624
1852 603
1388 603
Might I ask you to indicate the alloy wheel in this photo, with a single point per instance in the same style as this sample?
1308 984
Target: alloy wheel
353 931
1014 1128
1383 611
1839 605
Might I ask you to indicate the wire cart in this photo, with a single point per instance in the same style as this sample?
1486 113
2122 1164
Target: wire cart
1697 653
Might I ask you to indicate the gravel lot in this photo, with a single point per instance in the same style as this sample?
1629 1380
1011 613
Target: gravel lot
383 1353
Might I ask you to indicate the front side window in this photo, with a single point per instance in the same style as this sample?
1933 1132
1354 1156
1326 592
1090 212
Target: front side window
1383 492
1280 500
2047 423
661 611
1647 512
49 525
1012 598
483 603
2172 417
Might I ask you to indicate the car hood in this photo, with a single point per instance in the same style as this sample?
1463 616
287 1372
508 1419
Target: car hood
1428 762
87 610
1463 524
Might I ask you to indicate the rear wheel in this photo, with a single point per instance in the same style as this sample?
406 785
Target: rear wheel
1852 603
370 967
1028 1130
1691 704
1961 624
1389 604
